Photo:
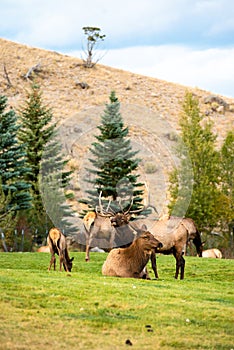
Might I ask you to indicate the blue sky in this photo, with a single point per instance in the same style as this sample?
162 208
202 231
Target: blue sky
190 42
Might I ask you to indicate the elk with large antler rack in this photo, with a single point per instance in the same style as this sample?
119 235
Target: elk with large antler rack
108 228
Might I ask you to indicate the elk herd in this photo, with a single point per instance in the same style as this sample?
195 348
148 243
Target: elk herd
129 242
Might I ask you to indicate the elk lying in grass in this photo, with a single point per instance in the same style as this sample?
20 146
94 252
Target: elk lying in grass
44 249
57 244
131 261
175 233
212 253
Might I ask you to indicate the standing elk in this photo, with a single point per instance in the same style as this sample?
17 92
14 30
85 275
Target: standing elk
131 261
57 244
175 233
212 253
98 226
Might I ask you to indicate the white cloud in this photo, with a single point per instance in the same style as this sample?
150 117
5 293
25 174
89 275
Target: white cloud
59 22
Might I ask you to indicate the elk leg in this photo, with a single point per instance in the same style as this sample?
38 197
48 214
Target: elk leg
87 258
63 262
52 261
144 274
182 266
178 262
154 264
60 262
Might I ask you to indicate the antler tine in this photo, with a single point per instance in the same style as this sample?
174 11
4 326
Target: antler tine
128 211
100 202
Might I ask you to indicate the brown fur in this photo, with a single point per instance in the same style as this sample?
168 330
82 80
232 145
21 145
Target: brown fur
44 249
57 244
131 261
212 253
175 233
98 227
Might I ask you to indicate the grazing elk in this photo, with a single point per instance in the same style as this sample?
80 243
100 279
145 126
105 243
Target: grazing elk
212 253
57 244
175 233
131 261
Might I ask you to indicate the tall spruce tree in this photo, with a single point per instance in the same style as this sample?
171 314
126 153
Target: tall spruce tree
38 136
13 168
37 129
114 163
199 140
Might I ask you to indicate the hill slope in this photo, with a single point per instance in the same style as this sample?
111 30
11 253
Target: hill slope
61 75
77 96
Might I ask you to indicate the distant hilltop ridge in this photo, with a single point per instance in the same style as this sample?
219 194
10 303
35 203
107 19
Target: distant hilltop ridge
69 88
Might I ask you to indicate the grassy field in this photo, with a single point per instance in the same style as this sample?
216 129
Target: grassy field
84 310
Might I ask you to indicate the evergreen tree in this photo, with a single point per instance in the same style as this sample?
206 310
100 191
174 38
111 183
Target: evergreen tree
114 162
203 177
38 134
37 129
13 167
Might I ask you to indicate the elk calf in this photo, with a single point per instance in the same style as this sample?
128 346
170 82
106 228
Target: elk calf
131 261
57 244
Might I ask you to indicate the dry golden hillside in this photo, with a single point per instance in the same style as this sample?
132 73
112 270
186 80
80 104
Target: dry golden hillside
77 96
60 77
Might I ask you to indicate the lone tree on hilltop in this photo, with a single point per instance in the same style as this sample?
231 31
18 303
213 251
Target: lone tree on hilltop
93 37
114 163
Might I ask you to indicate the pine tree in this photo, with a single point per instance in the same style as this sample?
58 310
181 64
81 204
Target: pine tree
201 175
38 134
13 169
37 129
114 162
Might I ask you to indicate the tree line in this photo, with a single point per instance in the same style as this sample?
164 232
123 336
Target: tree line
29 149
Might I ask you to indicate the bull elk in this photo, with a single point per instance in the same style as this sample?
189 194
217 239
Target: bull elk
131 261
110 228
175 233
57 244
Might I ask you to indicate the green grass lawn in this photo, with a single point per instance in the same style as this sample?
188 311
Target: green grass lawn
85 310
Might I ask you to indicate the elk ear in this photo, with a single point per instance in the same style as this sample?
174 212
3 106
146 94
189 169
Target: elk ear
144 227
72 259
